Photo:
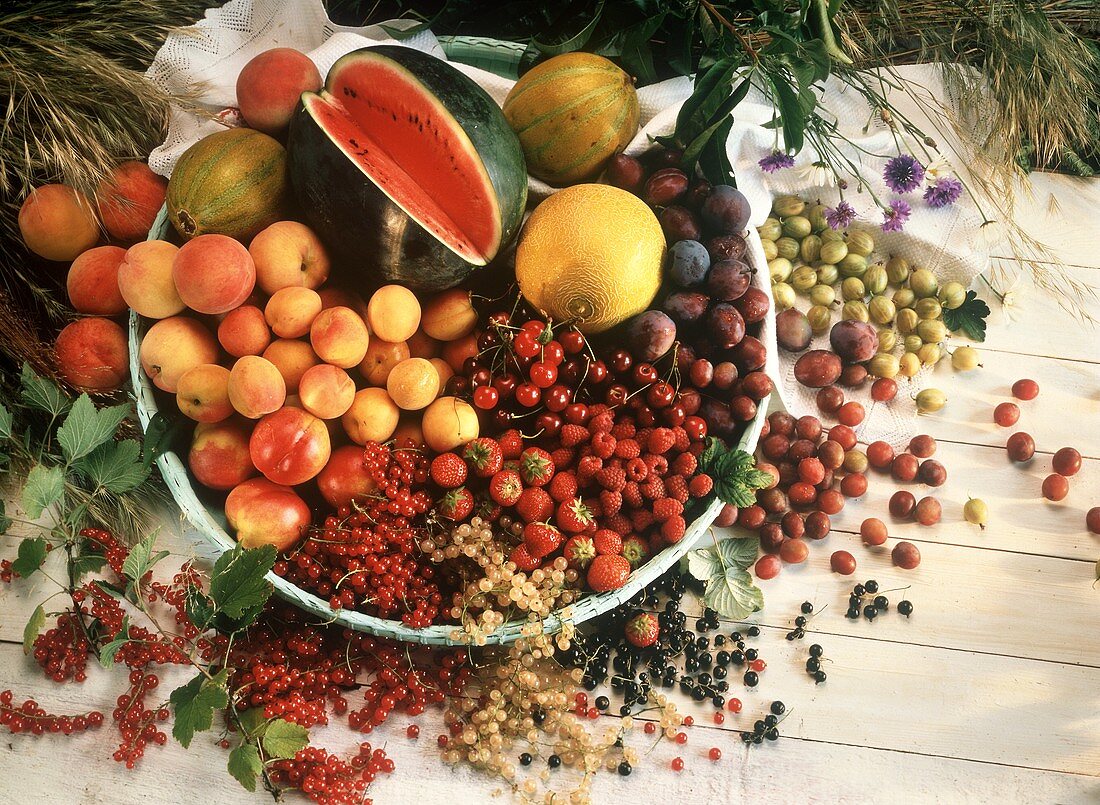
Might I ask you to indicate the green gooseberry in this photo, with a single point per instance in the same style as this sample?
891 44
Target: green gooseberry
822 294
906 320
779 269
816 214
928 308
882 310
875 279
853 265
855 311
852 289
883 364
912 343
827 274
785 206
771 229
771 251
788 248
819 317
832 251
952 294
897 269
887 339
923 282
810 248
861 242
903 297
803 279
797 226
932 331
784 296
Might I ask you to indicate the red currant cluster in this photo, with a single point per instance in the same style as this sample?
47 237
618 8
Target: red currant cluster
136 724
329 779
401 686
62 651
28 717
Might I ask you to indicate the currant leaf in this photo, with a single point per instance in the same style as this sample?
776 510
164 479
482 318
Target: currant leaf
283 739
45 395
245 765
141 559
85 428
195 703
43 487
33 627
969 317
32 553
238 584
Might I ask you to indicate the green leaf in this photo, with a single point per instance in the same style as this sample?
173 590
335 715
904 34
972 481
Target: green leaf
969 317
702 563
32 553
141 559
252 721
158 439
200 609
44 487
739 552
115 466
33 627
238 584
245 765
735 479
282 739
733 594
108 652
87 562
714 448
195 703
711 90
45 395
86 428
790 110
714 161
575 42
5 422
5 521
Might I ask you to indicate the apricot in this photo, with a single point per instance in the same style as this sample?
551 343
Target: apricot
445 372
345 477
92 282
449 315
129 200
422 345
213 273
456 352
290 311
290 446
145 279
202 393
449 423
413 383
174 345
219 457
292 358
57 222
393 313
256 387
287 255
326 391
266 513
408 432
333 296
244 331
92 355
380 359
340 337
372 416
269 86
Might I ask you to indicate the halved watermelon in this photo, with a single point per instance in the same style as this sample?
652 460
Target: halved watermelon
406 168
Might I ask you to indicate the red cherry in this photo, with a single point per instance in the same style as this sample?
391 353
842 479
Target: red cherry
543 374
501 318
534 327
696 428
557 398
660 394
506 385
528 395
576 414
645 373
481 377
525 345
674 415
616 395
553 353
597 373
486 398
620 361
572 342
571 371
549 423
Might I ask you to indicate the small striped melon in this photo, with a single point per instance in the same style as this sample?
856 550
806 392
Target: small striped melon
572 113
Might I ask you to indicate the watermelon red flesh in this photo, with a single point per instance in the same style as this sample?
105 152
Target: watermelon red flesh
412 148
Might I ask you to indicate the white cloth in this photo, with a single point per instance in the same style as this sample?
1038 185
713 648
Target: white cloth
204 60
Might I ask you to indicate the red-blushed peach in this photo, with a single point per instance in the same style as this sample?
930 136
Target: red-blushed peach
381 357
202 393
174 345
129 200
422 345
372 416
334 296
449 315
219 457
213 273
340 337
456 352
345 477
145 279
269 86
288 254
413 384
58 223
326 391
244 331
292 358
449 423
290 446
393 313
92 355
290 311
445 373
256 387
408 432
92 282
264 513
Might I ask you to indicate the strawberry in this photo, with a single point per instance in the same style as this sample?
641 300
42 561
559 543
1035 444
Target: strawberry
672 529
523 558
534 504
612 478
572 435
636 550
511 443
573 516
700 485
486 508
579 551
610 502
448 470
642 630
456 505
541 539
536 468
563 486
603 445
661 440
607 541
484 456
506 487
664 508
628 448
608 572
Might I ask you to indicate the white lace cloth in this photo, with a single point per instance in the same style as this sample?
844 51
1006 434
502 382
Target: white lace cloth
204 60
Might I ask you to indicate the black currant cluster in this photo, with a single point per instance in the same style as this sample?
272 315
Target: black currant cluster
813 664
766 728
866 600
799 630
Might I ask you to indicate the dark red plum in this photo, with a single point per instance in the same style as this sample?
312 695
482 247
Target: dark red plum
753 305
650 335
727 247
679 223
686 307
725 325
726 211
792 330
854 341
728 280
624 172
817 368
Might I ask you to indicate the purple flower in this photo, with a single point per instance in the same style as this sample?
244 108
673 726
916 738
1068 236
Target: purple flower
895 216
944 192
840 216
903 173
775 161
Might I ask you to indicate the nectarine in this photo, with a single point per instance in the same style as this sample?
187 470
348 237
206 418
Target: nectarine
269 86
92 282
57 222
290 446
256 388
213 273
219 457
345 477
92 354
174 345
326 391
244 331
266 513
129 200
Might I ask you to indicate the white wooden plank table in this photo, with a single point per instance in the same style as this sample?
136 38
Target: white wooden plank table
990 692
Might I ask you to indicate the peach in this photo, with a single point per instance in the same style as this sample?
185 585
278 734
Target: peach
326 391
340 337
408 432
422 345
449 423
288 254
290 446
332 296
449 315
381 357
393 313
213 273
244 331
292 358
372 416
413 383
445 372
266 513
456 352
129 200
290 311
145 279
91 354
219 457
345 477
256 387
92 282
202 393
174 345
269 86
58 223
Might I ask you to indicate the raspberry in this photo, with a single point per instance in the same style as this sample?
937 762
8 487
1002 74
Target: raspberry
677 488
661 441
611 478
599 408
572 435
682 440
619 523
602 423
664 508
641 519
587 468
563 486
636 469
685 464
563 458
623 430
628 448
700 485
603 445
653 489
610 501
658 465
672 529
632 494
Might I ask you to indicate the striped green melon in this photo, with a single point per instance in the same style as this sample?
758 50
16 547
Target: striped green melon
572 113
233 182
